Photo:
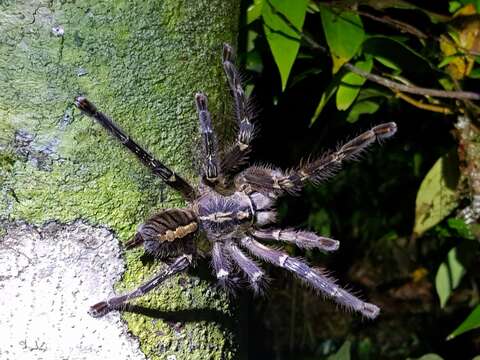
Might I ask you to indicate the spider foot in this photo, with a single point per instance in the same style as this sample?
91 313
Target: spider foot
99 309
370 311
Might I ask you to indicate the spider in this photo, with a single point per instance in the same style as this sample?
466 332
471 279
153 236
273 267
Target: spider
235 209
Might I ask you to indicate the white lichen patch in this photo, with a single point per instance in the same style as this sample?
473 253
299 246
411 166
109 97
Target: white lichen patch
48 278
58 30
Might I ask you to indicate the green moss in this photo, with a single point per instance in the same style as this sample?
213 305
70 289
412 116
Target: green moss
7 160
195 313
141 63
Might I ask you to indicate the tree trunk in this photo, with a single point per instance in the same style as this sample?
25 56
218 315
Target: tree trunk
70 193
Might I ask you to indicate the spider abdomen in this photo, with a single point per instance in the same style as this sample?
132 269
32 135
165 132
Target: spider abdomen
168 232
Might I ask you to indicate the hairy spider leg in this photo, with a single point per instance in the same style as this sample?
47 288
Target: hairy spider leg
157 168
255 274
221 263
313 277
276 182
302 239
103 307
210 144
237 154
328 165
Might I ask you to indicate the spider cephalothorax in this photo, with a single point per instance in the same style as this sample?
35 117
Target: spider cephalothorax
235 210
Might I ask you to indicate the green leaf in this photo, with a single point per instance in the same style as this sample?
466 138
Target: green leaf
307 74
365 349
251 37
388 63
351 84
448 276
313 8
454 6
474 74
360 108
456 268
442 284
475 2
284 41
254 61
471 322
254 11
461 228
446 83
343 353
344 33
437 195
326 95
370 93
448 59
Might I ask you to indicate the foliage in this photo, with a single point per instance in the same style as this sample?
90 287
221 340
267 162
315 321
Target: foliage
437 195
448 276
337 27
343 353
283 40
404 208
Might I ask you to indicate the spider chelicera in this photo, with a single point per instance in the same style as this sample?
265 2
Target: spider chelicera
235 208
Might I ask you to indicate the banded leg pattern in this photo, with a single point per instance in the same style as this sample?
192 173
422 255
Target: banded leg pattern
313 277
276 182
328 165
254 273
221 263
180 264
238 153
157 168
302 239
209 139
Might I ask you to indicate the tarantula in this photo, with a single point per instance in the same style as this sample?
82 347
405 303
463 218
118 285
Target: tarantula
235 209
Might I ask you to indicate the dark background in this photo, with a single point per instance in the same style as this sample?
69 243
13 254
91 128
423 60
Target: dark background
369 206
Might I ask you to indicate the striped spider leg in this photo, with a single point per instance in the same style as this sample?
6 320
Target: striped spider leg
313 277
277 182
118 302
159 233
212 168
157 168
237 154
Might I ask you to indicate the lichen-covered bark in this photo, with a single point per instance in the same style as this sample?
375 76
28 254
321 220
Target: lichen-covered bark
141 62
49 274
468 134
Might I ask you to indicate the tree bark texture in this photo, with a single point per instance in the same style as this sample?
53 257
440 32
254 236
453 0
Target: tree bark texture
70 193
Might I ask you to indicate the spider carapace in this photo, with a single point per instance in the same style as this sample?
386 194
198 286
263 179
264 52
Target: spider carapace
235 208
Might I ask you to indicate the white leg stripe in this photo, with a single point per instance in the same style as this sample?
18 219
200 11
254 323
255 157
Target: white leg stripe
276 234
222 273
282 260
256 276
335 292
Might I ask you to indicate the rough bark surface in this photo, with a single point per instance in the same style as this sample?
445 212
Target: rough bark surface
468 134
49 276
62 177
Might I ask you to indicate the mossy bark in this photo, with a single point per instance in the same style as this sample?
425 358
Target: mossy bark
141 62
